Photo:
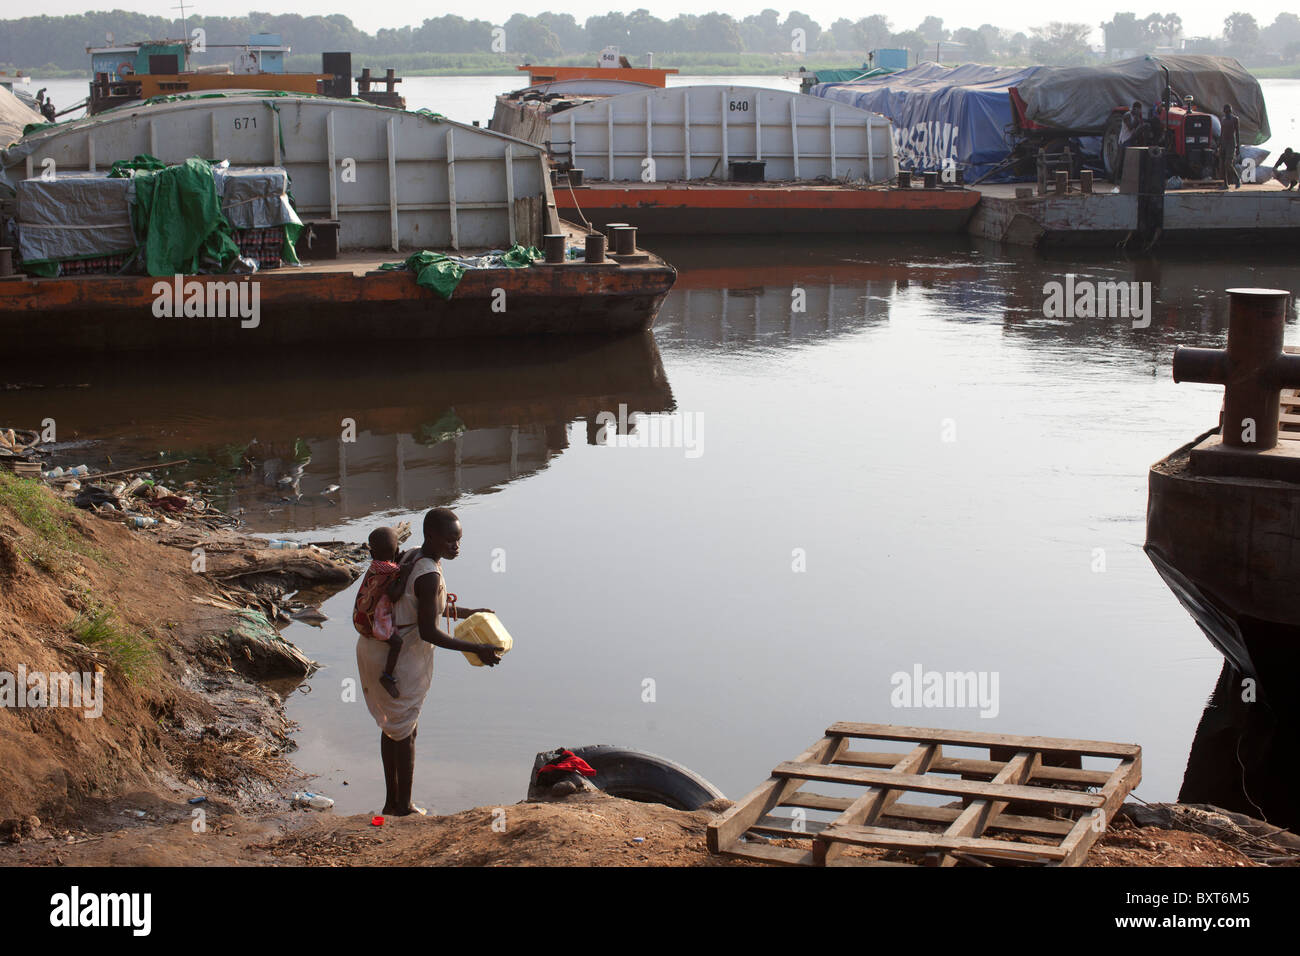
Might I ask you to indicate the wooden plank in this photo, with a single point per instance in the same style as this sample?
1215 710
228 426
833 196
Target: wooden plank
972 767
929 784
916 813
967 738
883 838
975 819
783 827
728 827
867 808
1086 831
768 853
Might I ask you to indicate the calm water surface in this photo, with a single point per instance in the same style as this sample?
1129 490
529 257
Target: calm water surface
822 434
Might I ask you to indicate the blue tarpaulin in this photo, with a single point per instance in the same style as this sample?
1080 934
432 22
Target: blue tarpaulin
960 114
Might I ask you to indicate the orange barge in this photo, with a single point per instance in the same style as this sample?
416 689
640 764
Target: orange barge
718 208
347 300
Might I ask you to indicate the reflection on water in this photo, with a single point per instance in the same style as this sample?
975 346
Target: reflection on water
316 439
965 478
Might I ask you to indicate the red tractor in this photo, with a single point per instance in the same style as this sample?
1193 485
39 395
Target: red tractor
1185 134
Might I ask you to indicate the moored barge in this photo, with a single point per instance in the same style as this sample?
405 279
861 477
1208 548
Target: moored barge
724 160
378 184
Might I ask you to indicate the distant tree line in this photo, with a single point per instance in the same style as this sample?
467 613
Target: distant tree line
59 42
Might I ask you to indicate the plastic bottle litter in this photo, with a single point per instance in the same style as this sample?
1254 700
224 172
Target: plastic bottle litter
118 489
140 521
281 545
317 801
131 488
81 471
55 472
73 485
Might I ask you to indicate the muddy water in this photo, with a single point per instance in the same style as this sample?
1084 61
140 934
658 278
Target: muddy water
918 469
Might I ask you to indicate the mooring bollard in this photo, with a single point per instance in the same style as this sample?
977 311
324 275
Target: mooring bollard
553 244
930 180
904 179
625 241
595 247
575 177
1253 368
1085 181
1062 182
6 261
609 234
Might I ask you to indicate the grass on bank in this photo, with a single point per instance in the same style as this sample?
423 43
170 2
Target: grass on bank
48 518
131 653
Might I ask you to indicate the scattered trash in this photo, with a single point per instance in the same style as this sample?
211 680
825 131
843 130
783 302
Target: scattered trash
282 545
376 821
198 800
317 801
638 839
140 521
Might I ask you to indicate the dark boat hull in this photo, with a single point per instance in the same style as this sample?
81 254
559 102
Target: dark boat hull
303 306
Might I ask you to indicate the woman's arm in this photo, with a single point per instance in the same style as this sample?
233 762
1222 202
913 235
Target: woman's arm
426 596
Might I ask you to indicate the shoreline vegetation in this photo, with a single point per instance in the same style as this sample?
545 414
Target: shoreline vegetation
702 44
695 64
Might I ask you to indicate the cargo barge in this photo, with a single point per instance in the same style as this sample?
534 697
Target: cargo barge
1223 516
375 184
723 160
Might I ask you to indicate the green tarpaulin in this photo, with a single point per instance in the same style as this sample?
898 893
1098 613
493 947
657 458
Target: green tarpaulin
177 216
442 273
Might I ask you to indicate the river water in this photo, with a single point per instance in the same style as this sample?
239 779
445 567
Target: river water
917 470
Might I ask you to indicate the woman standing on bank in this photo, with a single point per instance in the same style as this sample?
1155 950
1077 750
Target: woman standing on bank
416 610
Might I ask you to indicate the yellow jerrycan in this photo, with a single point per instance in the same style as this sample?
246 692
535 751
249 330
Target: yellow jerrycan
483 627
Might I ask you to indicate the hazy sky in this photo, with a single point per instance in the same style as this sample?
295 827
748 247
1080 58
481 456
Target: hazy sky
1013 14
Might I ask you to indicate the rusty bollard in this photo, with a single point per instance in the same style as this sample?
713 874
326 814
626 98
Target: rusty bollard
595 248
904 179
1085 181
553 244
1253 368
930 180
625 240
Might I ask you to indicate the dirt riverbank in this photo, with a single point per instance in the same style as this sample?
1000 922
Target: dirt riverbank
192 709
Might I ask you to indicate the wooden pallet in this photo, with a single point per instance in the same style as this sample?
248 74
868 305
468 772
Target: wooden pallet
1288 420
1018 788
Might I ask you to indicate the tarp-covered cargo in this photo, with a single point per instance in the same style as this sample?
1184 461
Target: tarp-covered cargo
190 217
1083 97
255 197
73 216
939 113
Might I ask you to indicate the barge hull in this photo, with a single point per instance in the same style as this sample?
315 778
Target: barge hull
728 210
117 313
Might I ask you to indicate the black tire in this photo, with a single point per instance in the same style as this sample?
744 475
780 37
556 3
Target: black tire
648 778
1112 156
